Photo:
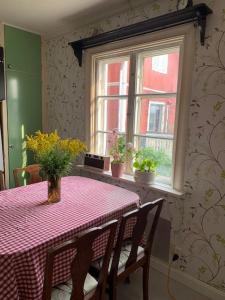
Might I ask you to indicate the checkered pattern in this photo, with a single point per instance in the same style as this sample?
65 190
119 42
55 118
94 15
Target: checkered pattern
28 227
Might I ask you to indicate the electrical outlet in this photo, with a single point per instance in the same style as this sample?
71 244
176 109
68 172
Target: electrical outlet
176 256
178 251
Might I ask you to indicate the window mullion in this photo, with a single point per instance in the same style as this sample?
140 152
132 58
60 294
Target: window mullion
131 98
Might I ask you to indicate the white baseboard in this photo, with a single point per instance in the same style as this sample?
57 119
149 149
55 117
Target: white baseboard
187 280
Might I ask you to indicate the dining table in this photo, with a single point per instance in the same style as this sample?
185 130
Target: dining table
29 226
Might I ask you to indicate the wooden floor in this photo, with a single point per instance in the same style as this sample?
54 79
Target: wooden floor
133 291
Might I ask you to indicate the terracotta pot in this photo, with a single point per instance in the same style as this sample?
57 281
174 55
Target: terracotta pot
54 189
117 169
147 178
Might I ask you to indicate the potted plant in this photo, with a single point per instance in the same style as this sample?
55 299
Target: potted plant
145 169
55 156
120 152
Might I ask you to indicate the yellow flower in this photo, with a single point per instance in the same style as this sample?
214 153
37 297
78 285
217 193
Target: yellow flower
53 153
73 146
43 143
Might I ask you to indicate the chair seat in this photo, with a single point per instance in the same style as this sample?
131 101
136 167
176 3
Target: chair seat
63 291
125 252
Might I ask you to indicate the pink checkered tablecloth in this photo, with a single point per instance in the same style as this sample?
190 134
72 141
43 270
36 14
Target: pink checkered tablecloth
28 228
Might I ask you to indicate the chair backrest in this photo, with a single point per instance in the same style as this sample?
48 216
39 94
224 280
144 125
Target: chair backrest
83 244
141 219
33 172
2 181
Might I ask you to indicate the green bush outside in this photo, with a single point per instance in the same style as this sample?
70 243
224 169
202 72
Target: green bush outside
164 160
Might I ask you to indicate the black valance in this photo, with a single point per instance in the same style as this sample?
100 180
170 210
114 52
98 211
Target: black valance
196 14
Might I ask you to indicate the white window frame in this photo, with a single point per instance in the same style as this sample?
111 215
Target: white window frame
185 35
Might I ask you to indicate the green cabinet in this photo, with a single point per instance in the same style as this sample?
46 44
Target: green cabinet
23 50
24 95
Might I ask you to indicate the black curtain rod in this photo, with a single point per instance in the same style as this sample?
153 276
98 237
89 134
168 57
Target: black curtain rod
196 13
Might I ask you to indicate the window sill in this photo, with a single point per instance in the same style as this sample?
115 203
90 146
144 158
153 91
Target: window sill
130 179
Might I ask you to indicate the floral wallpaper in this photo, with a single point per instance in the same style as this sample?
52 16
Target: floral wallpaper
198 218
1 35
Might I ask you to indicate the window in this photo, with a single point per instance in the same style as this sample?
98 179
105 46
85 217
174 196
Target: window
153 103
138 90
160 63
156 118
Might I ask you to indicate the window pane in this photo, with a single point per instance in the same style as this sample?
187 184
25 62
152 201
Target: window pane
112 114
102 145
155 116
113 77
158 73
154 130
161 150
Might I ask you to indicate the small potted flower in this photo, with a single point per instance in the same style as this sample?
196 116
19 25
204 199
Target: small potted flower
120 152
145 169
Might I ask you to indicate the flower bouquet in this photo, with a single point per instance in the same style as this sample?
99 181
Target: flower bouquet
55 156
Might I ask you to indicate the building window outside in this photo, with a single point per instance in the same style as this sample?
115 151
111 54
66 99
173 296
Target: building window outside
160 64
139 102
156 117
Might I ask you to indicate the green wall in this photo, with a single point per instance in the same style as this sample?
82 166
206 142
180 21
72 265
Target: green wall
24 95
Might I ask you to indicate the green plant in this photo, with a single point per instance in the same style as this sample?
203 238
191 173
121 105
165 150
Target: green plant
119 150
145 165
164 160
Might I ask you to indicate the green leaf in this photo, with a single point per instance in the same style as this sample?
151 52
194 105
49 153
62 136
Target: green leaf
220 239
156 6
136 165
216 256
218 105
202 269
209 193
223 174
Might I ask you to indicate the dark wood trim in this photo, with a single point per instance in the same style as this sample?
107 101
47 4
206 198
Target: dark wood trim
196 14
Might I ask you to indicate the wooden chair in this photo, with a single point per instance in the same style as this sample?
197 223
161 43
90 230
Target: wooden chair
2 181
33 172
81 285
128 254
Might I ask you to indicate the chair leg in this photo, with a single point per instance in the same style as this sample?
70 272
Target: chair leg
127 280
146 282
112 292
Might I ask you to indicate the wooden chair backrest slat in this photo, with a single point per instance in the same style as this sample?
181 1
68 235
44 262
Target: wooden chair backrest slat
83 244
141 216
32 170
2 181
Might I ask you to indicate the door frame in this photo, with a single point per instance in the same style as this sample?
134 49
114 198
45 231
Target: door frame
4 122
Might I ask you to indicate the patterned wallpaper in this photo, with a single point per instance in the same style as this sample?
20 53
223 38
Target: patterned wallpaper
198 219
1 35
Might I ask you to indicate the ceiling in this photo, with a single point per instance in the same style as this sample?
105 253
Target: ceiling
54 17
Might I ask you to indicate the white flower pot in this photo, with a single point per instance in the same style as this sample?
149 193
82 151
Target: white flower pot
147 178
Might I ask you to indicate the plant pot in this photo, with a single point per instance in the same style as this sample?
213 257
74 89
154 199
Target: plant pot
147 178
117 169
54 189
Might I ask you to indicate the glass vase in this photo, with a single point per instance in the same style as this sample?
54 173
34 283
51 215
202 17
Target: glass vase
54 189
